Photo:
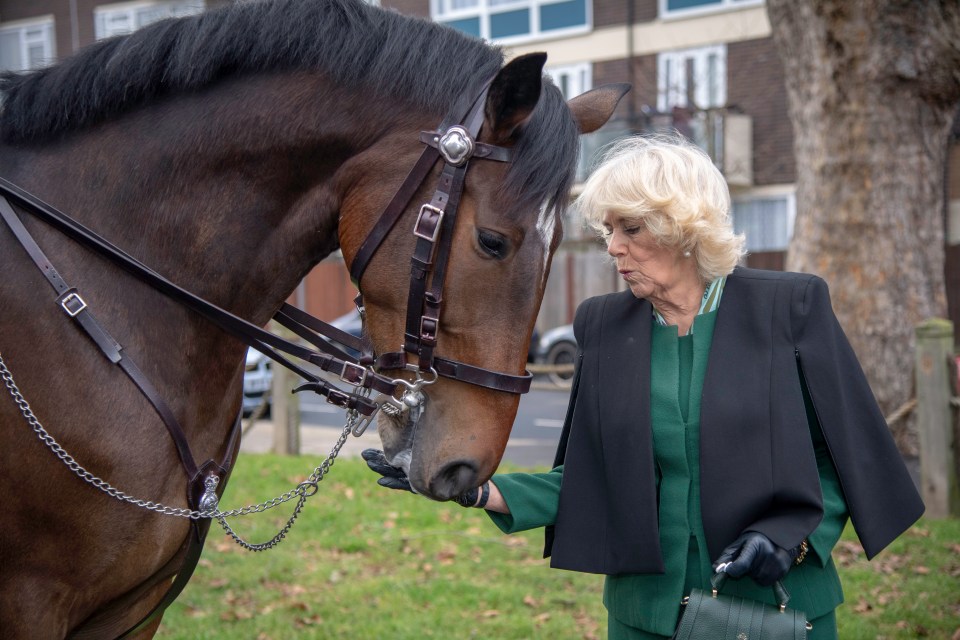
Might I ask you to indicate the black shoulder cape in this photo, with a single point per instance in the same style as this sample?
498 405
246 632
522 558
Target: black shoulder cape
758 469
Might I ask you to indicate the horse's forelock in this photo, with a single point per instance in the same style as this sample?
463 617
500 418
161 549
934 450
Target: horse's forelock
545 157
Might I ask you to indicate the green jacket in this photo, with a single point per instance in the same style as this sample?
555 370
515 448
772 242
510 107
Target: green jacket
652 601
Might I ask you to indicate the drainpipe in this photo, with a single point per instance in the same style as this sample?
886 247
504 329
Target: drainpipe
74 26
632 95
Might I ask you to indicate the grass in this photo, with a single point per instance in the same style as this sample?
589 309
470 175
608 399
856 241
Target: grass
366 562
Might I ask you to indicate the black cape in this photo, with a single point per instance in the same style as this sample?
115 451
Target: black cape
758 469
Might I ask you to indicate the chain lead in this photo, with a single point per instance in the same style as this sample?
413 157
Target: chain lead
304 490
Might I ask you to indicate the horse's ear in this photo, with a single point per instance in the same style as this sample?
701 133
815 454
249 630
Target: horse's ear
593 108
513 95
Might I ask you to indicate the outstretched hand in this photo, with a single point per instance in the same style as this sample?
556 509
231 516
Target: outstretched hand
755 555
393 477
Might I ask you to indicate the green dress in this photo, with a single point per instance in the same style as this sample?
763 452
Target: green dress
648 606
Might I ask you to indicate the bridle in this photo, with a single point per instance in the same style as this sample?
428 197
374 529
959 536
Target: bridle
456 145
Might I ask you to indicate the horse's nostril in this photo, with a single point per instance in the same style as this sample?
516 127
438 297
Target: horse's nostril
453 479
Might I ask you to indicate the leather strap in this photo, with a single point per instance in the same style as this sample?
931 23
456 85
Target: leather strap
77 308
198 531
433 229
264 341
392 213
478 376
319 326
481 150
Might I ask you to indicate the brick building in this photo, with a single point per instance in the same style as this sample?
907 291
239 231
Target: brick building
707 68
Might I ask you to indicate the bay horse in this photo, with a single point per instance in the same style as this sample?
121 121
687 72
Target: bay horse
230 152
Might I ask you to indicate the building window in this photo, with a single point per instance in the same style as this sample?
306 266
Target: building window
572 80
122 18
694 79
513 20
671 8
26 44
766 221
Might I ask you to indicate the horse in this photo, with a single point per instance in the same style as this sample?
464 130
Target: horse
231 151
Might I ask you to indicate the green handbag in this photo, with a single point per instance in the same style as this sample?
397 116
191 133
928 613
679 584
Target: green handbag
719 617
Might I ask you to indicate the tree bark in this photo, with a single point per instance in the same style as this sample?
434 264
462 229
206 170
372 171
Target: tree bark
873 87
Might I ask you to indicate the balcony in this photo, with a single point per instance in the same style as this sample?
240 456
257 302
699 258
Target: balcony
727 136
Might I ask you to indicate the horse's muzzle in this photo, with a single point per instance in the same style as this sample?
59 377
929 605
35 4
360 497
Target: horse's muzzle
454 479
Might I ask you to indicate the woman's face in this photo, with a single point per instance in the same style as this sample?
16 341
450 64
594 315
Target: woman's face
648 268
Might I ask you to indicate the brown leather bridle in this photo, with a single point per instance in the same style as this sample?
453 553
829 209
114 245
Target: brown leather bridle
435 222
456 144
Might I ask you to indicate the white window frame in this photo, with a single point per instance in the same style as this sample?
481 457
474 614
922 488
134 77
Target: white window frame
579 78
717 7
47 38
441 11
673 93
104 13
789 196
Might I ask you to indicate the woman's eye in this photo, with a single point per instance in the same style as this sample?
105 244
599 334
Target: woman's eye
631 231
492 243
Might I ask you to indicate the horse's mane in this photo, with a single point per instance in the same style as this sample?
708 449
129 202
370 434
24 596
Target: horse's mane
411 59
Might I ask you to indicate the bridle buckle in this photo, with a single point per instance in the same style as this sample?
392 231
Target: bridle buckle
428 234
73 304
353 374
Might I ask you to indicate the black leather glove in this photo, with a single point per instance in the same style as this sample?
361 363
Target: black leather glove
755 555
395 478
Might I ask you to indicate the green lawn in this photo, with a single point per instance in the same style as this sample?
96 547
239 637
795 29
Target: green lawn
366 562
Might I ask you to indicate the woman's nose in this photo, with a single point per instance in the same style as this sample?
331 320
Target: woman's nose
615 244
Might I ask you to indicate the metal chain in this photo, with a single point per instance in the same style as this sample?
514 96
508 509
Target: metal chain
304 490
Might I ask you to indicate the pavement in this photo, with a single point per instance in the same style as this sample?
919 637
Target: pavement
314 439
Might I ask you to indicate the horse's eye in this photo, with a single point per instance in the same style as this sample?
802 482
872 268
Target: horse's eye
492 243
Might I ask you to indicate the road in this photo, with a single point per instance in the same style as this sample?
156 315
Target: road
533 440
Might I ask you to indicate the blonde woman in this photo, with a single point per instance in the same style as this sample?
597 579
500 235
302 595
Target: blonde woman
718 419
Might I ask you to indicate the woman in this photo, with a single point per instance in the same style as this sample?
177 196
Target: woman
718 418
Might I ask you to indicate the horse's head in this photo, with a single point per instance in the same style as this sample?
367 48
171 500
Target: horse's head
507 228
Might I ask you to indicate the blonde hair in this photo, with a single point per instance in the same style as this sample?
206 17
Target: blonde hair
673 188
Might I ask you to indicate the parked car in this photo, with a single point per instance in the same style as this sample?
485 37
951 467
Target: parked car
558 346
257 380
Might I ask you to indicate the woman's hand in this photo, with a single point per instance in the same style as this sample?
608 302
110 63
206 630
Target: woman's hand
755 555
395 478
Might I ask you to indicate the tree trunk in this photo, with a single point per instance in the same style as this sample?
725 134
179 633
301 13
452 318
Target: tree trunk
873 87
